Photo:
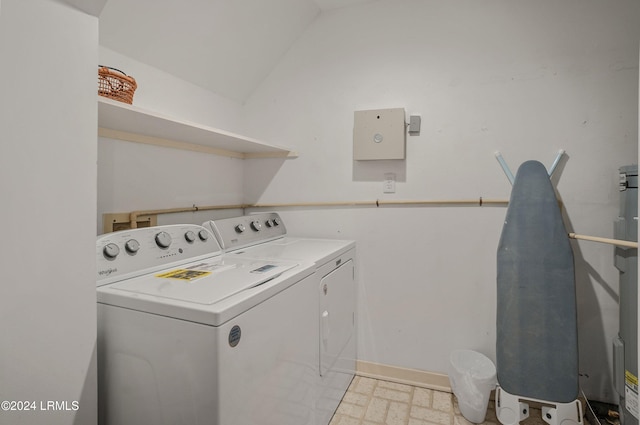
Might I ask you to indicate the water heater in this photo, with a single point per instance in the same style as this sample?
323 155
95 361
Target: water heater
625 345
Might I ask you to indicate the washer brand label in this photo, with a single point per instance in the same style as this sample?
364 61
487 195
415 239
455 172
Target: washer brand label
234 335
107 272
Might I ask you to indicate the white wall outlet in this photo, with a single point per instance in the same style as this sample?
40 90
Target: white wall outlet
389 184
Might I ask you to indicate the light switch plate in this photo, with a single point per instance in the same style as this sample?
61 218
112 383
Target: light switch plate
379 134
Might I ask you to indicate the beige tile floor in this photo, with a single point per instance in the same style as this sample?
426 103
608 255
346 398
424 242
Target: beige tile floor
374 402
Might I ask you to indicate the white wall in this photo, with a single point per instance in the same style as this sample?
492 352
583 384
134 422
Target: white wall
135 177
48 188
524 78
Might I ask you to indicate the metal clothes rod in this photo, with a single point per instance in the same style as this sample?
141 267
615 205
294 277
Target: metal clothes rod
618 242
379 203
133 216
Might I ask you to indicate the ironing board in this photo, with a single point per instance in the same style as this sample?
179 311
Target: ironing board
537 344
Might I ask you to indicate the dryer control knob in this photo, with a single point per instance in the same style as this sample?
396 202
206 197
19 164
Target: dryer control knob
240 228
163 239
256 225
132 246
204 235
269 223
190 236
111 251
276 221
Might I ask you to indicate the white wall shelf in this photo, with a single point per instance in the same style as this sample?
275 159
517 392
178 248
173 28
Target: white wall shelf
117 120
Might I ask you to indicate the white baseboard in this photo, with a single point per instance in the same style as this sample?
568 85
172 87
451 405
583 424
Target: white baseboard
417 378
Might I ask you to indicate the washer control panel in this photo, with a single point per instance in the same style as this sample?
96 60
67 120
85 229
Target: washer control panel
135 252
240 232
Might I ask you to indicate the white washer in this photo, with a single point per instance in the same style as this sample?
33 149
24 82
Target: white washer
264 236
187 335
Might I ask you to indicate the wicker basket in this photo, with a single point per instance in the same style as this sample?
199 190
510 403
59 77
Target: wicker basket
115 84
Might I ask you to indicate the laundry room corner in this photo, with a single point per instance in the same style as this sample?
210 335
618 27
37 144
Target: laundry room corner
303 208
427 284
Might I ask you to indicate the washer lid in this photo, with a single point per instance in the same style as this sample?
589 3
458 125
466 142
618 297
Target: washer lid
204 282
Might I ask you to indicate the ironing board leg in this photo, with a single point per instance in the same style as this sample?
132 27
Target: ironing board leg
512 409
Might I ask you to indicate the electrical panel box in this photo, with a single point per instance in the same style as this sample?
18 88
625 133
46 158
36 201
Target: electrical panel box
379 134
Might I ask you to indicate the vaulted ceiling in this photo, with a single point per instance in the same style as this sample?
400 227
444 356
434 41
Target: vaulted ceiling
226 46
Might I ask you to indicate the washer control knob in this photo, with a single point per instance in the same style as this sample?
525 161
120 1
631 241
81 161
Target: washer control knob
269 223
132 246
190 236
204 235
240 228
111 251
276 221
256 225
163 239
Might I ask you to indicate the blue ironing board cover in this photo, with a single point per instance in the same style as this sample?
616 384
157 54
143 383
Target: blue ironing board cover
537 343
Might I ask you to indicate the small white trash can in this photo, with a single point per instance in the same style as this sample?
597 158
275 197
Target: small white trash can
472 377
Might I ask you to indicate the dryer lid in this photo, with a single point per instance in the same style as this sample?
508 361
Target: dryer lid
299 249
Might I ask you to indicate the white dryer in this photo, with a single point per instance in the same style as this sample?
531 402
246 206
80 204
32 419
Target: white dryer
187 335
264 236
